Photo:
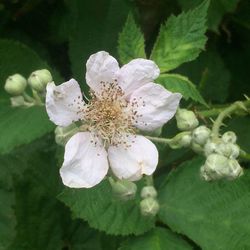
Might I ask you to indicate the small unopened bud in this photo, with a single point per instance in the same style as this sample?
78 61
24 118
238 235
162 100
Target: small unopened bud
39 79
63 134
229 150
220 167
123 189
148 191
149 207
229 137
234 169
201 134
196 148
15 84
186 119
211 146
181 140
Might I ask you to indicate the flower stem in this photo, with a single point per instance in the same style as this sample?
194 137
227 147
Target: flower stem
244 155
159 140
237 106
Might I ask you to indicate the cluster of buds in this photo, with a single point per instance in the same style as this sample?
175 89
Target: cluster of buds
221 161
16 85
149 204
221 152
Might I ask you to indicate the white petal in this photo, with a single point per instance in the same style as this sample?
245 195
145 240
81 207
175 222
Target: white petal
137 73
100 67
63 102
154 105
85 162
139 157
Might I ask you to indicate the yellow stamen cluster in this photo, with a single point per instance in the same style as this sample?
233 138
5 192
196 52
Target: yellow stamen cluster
109 115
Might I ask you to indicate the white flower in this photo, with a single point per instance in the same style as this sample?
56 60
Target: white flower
123 100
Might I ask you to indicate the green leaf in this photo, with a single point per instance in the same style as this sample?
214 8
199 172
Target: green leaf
7 219
20 126
131 42
211 73
38 213
95 27
181 84
102 211
18 58
181 39
156 239
216 11
214 215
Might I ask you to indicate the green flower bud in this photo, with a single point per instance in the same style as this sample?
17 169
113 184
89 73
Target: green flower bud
148 191
200 135
123 189
63 134
229 137
212 146
39 79
234 169
196 148
186 119
15 84
149 207
181 140
218 167
229 150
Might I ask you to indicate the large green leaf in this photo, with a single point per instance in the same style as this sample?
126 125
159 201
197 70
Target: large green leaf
212 75
38 213
214 215
7 219
95 26
131 42
181 84
181 39
156 239
20 126
216 11
102 211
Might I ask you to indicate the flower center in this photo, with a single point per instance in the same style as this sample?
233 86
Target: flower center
109 115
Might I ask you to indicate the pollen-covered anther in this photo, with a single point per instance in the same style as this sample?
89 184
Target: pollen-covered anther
110 115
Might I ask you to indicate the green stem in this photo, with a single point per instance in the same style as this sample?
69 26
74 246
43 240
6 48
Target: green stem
27 97
159 140
226 113
37 98
149 180
244 155
215 111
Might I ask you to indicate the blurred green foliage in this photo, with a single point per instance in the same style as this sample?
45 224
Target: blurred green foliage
60 35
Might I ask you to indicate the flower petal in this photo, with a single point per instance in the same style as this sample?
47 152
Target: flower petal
137 73
63 102
100 67
131 160
85 161
154 105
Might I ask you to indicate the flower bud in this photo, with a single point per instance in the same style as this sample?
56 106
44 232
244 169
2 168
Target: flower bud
63 134
211 146
201 134
229 137
123 189
181 140
215 167
196 148
229 150
234 169
39 79
186 119
15 84
148 191
149 207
